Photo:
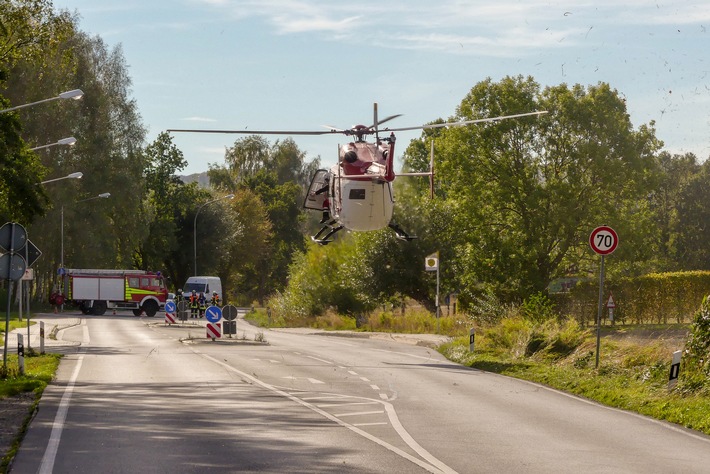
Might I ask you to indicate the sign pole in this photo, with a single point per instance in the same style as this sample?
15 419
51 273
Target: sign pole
438 310
599 311
603 240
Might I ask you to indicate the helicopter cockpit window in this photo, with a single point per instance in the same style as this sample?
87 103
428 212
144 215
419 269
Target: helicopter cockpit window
357 194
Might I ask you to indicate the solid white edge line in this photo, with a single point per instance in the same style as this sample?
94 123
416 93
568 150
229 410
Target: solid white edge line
50 453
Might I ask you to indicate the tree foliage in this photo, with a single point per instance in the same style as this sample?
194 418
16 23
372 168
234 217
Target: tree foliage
277 175
525 192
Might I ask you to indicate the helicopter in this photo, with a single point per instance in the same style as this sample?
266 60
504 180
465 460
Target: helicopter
357 193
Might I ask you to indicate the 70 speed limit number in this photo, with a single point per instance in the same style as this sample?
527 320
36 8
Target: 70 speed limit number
603 240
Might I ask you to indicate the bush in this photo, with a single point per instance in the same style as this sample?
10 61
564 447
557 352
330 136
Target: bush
695 373
537 308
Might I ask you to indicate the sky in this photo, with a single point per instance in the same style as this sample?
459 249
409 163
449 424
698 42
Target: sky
301 64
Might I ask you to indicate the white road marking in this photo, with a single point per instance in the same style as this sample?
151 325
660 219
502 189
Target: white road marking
364 379
410 355
320 360
326 405
431 463
316 381
50 454
370 424
351 372
359 413
375 387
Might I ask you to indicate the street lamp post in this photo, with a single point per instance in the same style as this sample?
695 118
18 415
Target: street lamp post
100 196
64 141
76 175
75 94
194 225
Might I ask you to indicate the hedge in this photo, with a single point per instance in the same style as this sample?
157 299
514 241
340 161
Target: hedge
656 298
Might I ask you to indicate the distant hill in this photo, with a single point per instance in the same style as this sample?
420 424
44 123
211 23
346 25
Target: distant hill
202 179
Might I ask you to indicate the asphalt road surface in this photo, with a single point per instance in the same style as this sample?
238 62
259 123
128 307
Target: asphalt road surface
133 395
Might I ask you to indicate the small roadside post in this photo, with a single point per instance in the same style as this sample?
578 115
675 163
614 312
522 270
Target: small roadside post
675 370
603 240
610 306
20 354
41 337
471 338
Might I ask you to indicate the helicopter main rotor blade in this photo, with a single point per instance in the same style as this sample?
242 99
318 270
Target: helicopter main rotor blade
386 119
465 122
259 132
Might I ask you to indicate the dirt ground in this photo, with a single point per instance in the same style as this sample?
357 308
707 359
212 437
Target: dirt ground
13 412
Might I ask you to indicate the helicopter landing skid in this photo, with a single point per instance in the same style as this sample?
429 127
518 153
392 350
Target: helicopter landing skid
325 239
400 233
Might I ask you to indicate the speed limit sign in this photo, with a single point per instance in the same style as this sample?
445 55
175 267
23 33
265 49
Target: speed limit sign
603 240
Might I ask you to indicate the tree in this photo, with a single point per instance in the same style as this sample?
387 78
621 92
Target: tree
526 192
164 209
277 175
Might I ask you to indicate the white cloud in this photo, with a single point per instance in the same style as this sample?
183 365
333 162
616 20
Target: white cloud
198 119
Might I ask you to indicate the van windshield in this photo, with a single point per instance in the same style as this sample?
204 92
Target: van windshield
198 287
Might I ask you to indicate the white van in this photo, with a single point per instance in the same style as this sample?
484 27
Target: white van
203 284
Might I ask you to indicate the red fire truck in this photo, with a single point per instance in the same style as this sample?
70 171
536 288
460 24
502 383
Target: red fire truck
94 291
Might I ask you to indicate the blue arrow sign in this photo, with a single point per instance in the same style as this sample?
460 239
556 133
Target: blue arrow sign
170 307
213 314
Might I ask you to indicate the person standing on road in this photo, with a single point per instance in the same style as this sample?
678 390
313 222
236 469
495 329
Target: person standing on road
194 304
215 299
203 304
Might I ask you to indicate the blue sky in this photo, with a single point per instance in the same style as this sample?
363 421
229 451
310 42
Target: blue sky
283 64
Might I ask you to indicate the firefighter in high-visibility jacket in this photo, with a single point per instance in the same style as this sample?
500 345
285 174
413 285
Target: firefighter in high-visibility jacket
194 304
215 299
203 304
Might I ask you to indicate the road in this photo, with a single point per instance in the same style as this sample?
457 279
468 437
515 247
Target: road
133 395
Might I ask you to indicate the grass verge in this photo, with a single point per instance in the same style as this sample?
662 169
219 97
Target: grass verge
39 371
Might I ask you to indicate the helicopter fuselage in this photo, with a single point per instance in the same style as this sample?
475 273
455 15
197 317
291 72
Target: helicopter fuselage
357 192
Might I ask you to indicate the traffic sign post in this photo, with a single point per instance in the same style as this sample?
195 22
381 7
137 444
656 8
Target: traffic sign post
603 240
610 306
170 309
213 314
214 330
182 310
13 238
229 313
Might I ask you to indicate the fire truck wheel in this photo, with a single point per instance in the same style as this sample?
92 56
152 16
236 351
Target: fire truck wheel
99 308
151 308
85 309
137 312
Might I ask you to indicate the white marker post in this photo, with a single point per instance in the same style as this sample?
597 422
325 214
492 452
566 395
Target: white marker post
20 354
603 241
675 370
471 339
41 337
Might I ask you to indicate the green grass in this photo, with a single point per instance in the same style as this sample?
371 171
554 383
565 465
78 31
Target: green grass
39 371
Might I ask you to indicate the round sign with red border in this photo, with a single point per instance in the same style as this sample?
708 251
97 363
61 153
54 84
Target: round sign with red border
603 240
